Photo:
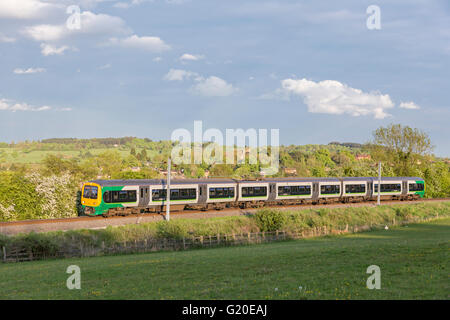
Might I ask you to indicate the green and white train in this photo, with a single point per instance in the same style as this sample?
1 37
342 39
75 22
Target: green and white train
124 197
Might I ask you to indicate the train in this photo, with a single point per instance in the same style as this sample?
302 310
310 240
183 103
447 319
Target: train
126 197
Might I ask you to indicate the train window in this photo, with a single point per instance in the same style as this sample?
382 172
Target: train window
175 194
355 188
184 193
120 196
90 192
142 193
294 190
159 194
416 187
216 193
254 192
329 189
389 187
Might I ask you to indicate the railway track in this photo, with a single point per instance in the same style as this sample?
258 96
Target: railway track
62 224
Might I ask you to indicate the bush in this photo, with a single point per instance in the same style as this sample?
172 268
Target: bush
39 243
270 220
170 229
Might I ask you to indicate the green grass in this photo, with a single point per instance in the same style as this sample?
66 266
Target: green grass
36 156
414 262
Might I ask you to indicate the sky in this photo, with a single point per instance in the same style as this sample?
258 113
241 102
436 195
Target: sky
319 71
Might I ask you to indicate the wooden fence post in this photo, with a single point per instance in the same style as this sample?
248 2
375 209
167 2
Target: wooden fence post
184 243
4 254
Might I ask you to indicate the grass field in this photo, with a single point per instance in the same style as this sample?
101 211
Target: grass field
414 262
11 155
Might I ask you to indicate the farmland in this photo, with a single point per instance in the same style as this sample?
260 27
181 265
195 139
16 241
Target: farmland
414 262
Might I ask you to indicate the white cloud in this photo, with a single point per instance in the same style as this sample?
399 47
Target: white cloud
409 105
191 57
152 44
49 50
102 24
46 32
6 39
132 3
25 9
157 59
213 87
208 87
179 75
8 105
333 97
90 23
28 71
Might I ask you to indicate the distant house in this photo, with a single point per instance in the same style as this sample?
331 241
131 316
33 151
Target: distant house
290 171
135 169
362 157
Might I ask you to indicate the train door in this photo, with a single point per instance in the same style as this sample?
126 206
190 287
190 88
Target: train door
315 194
144 196
272 191
404 187
202 193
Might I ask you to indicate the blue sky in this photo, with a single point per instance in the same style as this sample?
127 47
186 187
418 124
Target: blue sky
311 69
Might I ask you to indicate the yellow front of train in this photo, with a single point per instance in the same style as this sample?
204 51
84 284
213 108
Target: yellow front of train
91 197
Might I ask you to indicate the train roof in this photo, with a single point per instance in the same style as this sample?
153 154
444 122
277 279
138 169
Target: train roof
146 182
396 178
300 179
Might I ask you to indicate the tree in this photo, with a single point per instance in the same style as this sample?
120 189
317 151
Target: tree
401 145
110 162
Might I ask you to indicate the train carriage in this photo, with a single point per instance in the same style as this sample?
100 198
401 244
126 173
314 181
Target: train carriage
356 188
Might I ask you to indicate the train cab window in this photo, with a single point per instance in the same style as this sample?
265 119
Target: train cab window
329 189
90 192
